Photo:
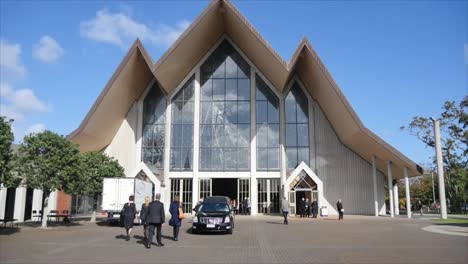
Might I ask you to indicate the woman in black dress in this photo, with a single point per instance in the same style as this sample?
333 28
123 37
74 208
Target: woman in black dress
129 212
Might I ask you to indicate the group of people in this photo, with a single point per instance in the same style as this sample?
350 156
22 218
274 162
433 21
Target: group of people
152 217
306 208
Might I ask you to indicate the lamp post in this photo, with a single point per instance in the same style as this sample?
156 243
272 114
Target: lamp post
440 169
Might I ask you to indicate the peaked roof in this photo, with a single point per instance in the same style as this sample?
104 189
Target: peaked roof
219 18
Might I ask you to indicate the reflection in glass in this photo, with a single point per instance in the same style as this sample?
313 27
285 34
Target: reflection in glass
267 114
182 128
225 111
297 127
154 108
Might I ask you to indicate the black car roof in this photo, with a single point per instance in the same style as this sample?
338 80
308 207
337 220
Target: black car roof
216 199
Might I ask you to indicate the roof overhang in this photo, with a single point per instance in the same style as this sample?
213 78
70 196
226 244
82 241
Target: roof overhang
221 17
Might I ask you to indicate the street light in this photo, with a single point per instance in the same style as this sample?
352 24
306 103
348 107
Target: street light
440 168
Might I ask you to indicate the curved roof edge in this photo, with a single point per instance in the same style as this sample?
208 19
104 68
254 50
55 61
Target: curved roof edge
222 17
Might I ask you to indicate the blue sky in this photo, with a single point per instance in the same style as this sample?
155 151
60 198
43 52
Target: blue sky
393 60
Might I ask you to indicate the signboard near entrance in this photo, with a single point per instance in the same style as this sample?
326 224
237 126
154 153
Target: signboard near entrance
324 211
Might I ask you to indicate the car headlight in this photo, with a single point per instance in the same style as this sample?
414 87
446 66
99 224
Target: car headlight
227 219
195 219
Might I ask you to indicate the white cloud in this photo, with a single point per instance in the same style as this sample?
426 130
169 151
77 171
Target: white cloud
47 50
120 29
20 102
11 66
36 128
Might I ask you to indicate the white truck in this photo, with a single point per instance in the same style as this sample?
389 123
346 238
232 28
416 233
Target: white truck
116 191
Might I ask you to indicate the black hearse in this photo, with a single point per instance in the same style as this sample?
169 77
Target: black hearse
214 215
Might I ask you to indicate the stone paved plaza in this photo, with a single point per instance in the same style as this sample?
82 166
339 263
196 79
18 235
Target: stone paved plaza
259 239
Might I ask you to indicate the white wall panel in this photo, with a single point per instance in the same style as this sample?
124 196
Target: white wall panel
345 175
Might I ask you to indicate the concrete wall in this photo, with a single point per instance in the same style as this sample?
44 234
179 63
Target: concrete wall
345 175
123 145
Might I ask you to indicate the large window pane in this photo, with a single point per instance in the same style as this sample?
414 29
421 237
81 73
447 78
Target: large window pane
154 108
206 113
230 155
273 158
182 128
303 155
207 90
297 127
262 112
291 135
244 135
273 135
262 158
244 112
303 135
218 89
273 113
229 107
231 89
243 89
262 136
291 157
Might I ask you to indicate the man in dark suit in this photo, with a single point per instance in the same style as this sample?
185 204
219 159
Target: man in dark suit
155 218
339 206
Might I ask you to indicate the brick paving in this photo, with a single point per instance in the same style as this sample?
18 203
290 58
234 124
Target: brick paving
259 239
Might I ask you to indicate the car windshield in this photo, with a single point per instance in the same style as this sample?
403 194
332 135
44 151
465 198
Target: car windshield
214 207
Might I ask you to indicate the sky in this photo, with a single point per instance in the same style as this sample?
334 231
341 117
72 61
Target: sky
393 59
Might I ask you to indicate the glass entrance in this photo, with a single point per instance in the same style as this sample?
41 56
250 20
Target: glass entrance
182 188
268 196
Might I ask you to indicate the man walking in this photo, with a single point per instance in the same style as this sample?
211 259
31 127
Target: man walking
339 207
155 218
285 209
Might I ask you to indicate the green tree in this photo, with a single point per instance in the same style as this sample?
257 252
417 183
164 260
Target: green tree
454 137
7 178
47 161
94 166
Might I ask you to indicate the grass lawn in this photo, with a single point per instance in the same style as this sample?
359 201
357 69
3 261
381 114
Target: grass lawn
452 221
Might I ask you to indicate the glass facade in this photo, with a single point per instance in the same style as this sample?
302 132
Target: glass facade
297 127
182 128
267 118
154 108
225 112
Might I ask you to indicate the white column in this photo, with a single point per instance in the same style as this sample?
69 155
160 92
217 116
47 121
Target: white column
196 139
3 196
283 150
166 197
139 133
440 170
253 147
390 191
407 192
374 178
396 199
20 203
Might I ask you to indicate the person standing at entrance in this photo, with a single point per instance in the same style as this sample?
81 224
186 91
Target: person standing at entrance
244 206
155 218
248 205
285 209
129 212
302 207
314 209
339 207
307 207
176 216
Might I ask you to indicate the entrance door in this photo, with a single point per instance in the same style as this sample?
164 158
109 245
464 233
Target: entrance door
243 188
292 202
28 205
10 203
204 187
